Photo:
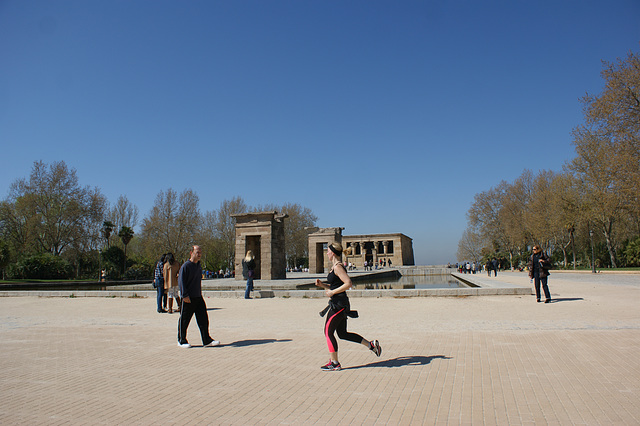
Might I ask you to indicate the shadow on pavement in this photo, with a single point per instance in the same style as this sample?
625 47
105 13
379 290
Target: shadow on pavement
566 299
242 343
401 361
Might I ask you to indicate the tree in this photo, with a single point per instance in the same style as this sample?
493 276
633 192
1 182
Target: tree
51 211
18 225
173 223
516 225
5 256
538 214
107 229
113 258
296 235
487 216
608 148
123 213
565 208
224 227
470 246
126 235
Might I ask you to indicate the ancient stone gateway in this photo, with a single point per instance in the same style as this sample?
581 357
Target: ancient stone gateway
263 234
318 241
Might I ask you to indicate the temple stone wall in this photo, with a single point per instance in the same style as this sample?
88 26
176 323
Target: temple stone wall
397 248
318 241
263 234
394 248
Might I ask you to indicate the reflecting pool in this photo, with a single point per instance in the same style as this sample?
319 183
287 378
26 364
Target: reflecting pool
404 282
410 282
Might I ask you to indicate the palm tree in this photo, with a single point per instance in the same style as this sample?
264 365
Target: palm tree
126 235
107 228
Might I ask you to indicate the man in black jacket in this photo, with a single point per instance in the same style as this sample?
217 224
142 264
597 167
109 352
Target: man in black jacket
190 281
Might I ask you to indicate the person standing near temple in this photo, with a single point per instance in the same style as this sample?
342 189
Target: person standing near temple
190 282
248 272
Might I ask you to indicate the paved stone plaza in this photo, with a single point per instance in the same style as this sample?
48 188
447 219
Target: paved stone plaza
500 359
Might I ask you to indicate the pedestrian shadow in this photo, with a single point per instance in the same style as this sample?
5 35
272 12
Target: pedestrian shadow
566 299
253 342
401 361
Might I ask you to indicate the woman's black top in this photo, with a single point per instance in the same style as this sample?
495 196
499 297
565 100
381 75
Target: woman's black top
339 299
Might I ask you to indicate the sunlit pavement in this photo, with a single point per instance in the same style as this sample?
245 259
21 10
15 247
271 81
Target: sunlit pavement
500 359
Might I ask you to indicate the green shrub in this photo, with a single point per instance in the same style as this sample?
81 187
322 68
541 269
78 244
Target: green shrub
139 271
44 266
631 253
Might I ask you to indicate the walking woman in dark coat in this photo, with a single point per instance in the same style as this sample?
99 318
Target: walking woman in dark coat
539 265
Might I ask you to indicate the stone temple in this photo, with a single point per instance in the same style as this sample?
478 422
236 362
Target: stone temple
397 248
263 234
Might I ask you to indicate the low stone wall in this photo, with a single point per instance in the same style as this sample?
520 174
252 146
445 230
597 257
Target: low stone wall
425 270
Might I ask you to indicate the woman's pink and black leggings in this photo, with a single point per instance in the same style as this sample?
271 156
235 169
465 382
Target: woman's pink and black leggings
337 321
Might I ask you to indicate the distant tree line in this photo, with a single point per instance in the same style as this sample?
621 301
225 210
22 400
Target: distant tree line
51 227
589 209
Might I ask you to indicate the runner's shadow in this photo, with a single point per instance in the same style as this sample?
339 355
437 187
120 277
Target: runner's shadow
401 361
253 342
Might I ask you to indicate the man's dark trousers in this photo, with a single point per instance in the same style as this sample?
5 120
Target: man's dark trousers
198 307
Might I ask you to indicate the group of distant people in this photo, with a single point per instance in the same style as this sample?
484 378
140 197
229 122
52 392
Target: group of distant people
538 267
476 267
381 263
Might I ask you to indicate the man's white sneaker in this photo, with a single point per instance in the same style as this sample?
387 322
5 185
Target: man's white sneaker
212 344
184 345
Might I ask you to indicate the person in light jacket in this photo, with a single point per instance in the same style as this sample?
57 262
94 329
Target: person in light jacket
171 287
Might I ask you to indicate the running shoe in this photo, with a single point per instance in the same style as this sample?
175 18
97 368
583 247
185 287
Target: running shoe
331 367
376 348
212 344
184 345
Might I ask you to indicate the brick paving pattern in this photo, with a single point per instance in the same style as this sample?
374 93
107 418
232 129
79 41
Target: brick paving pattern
500 359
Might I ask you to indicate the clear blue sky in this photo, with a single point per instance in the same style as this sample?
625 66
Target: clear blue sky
379 116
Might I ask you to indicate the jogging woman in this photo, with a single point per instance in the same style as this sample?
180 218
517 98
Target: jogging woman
338 282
